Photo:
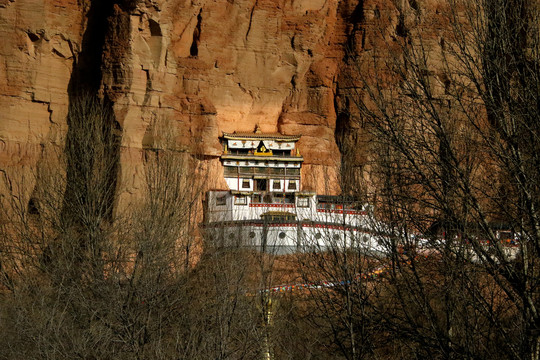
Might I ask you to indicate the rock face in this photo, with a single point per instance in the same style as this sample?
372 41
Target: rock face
38 48
188 70
40 41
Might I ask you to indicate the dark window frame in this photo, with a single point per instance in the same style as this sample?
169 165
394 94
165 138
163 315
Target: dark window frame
221 200
240 200
302 202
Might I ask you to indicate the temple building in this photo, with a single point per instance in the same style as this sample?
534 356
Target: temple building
265 206
262 165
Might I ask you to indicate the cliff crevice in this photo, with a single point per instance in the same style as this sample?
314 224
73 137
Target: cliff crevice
191 70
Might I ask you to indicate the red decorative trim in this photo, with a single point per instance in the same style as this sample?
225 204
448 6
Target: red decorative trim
292 225
334 227
272 205
351 212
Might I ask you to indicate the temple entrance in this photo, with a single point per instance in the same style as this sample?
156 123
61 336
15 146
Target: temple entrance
262 184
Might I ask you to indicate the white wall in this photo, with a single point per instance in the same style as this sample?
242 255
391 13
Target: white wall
235 184
233 212
292 239
297 187
280 185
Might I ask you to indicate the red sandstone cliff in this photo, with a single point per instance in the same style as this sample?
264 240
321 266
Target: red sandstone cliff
196 68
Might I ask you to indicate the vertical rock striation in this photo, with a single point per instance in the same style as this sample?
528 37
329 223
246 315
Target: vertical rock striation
189 70
40 42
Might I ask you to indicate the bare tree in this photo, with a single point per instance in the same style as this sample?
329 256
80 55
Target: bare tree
454 161
83 279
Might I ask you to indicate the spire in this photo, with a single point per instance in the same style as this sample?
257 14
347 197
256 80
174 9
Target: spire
258 129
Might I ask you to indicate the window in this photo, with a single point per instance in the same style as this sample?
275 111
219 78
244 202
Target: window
245 184
282 235
303 202
221 200
293 171
292 185
276 184
231 171
261 185
256 199
240 200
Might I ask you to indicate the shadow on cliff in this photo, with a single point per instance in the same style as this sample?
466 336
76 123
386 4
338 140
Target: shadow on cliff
93 138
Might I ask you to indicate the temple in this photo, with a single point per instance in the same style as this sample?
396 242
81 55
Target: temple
265 206
262 165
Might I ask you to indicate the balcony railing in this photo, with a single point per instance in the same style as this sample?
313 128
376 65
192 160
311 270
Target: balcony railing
255 153
252 171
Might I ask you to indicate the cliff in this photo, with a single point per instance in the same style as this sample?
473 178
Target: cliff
192 70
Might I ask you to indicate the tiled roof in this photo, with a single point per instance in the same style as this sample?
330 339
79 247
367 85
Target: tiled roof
249 136
262 157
